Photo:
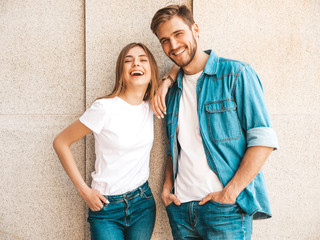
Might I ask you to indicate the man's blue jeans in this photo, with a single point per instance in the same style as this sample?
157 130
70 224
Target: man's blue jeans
128 216
210 221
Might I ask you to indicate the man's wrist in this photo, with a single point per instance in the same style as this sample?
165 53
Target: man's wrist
168 80
166 189
231 192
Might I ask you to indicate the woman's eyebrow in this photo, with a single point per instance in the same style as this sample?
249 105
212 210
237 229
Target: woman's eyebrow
142 55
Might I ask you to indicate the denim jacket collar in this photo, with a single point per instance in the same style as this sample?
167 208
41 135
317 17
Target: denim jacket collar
212 64
210 68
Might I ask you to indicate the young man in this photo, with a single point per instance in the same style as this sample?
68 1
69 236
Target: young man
220 136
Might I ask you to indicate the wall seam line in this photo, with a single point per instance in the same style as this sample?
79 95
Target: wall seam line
85 103
85 76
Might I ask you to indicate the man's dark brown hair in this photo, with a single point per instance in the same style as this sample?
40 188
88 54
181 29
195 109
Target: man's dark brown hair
166 13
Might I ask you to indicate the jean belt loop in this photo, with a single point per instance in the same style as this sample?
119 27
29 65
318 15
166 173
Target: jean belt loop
141 192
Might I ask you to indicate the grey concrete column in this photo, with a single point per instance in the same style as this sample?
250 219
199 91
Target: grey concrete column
110 25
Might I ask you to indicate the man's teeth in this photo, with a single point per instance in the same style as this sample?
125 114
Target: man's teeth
177 53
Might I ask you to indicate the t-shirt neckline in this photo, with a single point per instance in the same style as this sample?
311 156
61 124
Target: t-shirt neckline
128 104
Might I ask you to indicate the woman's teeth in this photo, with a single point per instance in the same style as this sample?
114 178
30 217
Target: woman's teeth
136 73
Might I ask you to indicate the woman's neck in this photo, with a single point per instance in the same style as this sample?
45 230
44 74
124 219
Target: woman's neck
132 97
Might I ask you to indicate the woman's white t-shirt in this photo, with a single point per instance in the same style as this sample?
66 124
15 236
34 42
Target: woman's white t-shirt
123 136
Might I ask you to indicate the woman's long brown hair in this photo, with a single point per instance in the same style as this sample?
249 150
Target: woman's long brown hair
120 86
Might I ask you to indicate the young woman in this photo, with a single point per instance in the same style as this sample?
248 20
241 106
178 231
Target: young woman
121 205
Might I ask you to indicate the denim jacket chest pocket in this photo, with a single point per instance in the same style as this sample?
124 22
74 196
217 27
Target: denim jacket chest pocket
223 121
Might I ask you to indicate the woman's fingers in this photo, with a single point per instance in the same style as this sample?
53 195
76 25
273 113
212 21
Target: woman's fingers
103 199
95 200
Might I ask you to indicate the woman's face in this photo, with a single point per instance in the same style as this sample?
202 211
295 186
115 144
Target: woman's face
136 68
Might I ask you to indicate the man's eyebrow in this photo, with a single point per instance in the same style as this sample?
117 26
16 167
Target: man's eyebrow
179 30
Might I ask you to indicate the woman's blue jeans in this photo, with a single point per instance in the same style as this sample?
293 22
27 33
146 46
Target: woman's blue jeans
209 221
128 216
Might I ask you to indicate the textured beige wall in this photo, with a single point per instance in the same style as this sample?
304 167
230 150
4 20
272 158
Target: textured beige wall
42 91
280 39
58 56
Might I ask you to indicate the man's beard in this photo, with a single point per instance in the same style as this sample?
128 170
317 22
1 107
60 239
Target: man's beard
192 53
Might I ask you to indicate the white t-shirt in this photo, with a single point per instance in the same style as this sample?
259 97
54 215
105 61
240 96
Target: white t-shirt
123 136
194 179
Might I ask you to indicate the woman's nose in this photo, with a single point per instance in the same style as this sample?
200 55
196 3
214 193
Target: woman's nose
136 63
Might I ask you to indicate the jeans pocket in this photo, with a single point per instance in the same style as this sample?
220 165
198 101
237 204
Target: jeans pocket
104 207
226 205
169 205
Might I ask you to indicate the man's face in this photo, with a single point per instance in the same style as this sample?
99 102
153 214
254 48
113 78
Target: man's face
178 40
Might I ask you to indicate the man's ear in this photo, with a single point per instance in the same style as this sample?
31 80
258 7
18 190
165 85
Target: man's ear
195 30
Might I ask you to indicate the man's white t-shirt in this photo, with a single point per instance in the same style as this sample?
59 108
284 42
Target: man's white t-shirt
123 136
194 179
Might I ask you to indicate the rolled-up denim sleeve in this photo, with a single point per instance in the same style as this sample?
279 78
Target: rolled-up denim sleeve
252 110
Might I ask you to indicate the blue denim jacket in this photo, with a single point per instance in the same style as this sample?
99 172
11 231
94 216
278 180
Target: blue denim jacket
232 117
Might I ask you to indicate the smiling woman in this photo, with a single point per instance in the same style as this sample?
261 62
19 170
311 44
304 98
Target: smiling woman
130 55
136 70
120 201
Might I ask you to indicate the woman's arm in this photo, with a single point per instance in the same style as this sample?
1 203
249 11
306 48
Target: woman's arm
158 101
62 144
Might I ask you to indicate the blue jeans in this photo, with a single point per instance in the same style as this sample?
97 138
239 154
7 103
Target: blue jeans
128 216
210 221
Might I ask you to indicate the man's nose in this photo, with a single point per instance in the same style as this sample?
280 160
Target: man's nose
173 43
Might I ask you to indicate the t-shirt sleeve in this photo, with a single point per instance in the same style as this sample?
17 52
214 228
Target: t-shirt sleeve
95 117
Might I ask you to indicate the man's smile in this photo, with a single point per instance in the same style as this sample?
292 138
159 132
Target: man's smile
177 53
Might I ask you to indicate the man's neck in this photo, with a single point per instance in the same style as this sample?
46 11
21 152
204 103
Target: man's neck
197 64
